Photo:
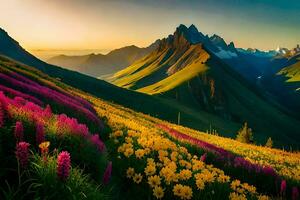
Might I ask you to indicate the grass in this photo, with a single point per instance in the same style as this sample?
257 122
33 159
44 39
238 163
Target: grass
233 99
40 178
177 78
292 72
242 105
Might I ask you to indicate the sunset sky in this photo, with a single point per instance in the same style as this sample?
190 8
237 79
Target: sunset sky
95 24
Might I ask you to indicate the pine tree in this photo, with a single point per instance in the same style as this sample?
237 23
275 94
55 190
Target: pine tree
269 142
245 134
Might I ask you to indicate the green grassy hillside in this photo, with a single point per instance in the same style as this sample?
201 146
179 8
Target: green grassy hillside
167 107
191 75
292 72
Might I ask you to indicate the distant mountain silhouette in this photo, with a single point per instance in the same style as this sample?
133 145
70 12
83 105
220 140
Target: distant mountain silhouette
99 65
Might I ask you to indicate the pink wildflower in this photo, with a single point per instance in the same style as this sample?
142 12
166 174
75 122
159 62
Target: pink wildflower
19 101
203 157
107 173
19 131
283 187
48 111
63 165
40 134
22 153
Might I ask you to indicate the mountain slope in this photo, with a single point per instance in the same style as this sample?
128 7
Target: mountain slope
195 75
130 137
173 54
98 65
167 109
292 72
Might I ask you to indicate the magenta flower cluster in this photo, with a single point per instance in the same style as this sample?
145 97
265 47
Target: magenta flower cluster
232 160
63 165
20 94
71 125
223 155
61 97
22 153
40 117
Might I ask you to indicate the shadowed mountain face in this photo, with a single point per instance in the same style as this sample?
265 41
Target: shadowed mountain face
99 65
200 72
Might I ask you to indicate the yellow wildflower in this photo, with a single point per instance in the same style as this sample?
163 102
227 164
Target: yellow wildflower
249 188
197 165
128 152
130 172
158 192
200 184
184 192
150 161
235 196
223 178
128 140
174 155
177 189
150 170
44 147
154 181
185 174
139 153
263 197
118 133
137 178
235 184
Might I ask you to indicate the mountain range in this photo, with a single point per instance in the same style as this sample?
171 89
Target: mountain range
99 65
192 74
262 70
265 69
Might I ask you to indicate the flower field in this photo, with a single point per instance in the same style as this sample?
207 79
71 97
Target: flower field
285 163
155 156
40 145
57 141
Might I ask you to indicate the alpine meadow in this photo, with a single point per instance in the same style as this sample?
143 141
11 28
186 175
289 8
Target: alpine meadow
137 100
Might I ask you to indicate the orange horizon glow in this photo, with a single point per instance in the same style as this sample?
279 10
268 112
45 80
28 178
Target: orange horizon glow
94 25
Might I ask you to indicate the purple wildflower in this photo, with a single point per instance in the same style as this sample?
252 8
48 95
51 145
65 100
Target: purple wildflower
20 101
282 186
63 165
48 111
22 153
